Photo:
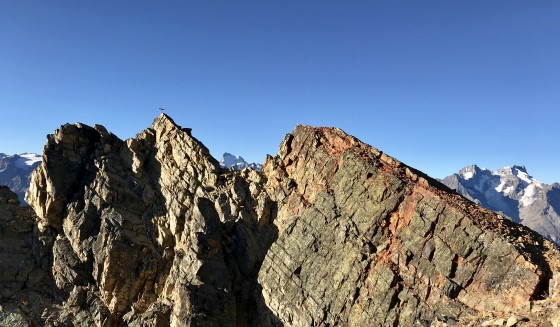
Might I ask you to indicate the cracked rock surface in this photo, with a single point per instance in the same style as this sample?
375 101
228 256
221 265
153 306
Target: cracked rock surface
366 240
150 231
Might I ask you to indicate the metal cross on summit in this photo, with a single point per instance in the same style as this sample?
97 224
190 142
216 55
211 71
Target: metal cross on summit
161 110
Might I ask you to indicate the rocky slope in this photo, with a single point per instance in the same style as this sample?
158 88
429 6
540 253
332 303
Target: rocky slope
15 171
152 232
513 192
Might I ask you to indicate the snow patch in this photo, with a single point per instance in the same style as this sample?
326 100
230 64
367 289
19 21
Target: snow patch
468 175
27 160
500 187
528 195
524 176
469 172
509 189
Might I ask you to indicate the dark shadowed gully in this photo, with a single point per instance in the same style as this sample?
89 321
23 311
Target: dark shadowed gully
151 231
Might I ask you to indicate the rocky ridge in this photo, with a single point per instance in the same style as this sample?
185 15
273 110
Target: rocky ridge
152 232
379 243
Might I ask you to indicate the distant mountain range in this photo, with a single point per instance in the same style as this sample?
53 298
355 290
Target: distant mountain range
514 193
15 171
237 162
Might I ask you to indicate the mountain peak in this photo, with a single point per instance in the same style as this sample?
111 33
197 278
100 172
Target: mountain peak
511 170
237 162
163 120
513 192
520 168
164 124
470 171
229 155
150 231
516 171
165 117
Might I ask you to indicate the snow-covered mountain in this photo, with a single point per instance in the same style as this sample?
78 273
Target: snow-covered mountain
237 162
15 171
513 192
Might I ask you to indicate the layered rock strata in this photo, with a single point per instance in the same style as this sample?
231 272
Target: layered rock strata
365 240
152 232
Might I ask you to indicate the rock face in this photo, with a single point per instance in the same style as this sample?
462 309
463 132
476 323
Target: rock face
511 191
24 266
152 232
365 240
151 229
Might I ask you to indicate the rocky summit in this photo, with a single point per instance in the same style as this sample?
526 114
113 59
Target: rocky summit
151 231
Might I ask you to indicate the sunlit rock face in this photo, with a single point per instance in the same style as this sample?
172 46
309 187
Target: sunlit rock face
365 240
151 231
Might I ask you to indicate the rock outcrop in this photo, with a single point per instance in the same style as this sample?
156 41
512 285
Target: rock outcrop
25 274
151 229
152 232
365 240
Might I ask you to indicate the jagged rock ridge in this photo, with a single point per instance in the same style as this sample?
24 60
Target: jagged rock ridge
151 231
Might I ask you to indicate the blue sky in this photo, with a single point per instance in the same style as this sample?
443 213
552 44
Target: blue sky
437 84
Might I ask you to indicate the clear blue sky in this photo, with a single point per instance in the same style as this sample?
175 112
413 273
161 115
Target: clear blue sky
437 84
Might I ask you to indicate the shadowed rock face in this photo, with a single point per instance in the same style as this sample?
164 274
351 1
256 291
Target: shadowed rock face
25 275
152 232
